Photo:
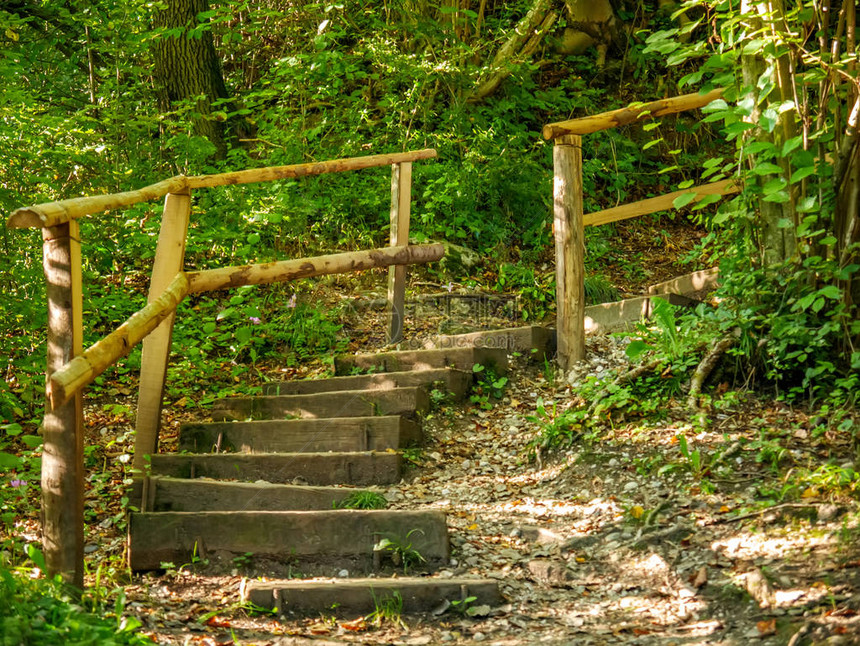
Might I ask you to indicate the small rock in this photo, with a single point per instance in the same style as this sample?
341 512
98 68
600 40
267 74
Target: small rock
613 463
466 465
631 486
829 512
343 574
550 572
446 637
479 637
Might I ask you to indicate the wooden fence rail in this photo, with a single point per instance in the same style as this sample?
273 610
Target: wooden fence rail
570 222
70 368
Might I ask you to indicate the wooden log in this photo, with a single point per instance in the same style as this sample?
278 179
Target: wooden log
169 260
569 250
53 213
659 203
286 270
62 479
624 116
401 198
304 170
81 370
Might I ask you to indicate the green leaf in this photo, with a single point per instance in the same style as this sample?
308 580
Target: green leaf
774 185
801 173
767 168
9 461
753 47
652 143
706 201
779 197
636 348
12 429
686 184
831 291
683 200
31 441
36 556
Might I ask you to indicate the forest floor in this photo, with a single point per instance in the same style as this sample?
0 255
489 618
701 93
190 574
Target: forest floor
600 544
746 536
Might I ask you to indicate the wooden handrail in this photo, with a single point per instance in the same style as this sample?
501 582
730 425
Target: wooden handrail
304 170
287 270
80 371
53 213
659 203
83 369
624 116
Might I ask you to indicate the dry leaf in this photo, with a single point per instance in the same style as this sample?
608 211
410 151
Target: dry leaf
218 622
356 625
700 578
766 627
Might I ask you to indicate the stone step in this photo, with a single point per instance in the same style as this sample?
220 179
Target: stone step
456 382
312 541
182 494
535 341
350 597
359 469
401 360
301 435
348 403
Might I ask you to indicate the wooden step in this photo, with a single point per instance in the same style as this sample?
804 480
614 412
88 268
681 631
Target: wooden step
320 541
182 494
359 469
301 435
401 360
350 597
455 382
348 403
535 341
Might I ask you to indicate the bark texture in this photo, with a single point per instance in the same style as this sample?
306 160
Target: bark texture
187 68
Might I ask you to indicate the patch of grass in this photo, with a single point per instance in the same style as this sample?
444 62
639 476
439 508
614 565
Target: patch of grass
400 551
387 609
363 500
44 611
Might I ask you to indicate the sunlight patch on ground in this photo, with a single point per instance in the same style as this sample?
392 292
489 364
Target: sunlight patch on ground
750 546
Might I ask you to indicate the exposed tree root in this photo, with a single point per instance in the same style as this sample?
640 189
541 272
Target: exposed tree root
706 367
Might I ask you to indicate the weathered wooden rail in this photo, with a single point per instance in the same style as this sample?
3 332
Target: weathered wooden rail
570 222
70 368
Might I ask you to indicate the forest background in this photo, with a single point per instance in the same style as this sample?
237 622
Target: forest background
109 96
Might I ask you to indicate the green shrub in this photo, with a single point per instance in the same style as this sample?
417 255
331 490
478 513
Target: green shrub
42 611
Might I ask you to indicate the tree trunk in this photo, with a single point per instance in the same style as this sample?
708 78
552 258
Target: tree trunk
187 68
775 240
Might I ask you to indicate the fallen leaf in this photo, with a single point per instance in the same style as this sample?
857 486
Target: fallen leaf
724 509
700 578
218 622
766 627
356 625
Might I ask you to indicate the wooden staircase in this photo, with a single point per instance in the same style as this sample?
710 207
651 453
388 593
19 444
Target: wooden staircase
268 485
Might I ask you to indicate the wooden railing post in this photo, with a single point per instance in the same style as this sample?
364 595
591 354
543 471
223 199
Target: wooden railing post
63 452
401 198
569 249
169 259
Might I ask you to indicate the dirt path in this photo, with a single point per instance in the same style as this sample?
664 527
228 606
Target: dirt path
620 539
